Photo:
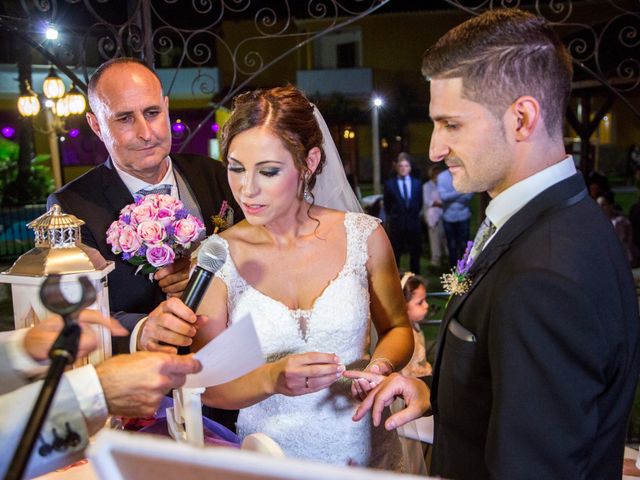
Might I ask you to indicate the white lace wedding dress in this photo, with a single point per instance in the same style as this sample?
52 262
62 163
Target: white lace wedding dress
318 426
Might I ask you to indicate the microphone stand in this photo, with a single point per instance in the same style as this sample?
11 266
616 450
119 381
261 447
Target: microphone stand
62 353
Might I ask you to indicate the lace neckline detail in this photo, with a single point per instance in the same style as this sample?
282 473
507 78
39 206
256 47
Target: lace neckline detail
301 314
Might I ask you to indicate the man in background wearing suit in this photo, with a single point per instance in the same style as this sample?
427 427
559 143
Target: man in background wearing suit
130 114
402 206
85 395
537 363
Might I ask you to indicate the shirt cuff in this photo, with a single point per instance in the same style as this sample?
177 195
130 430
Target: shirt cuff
87 389
20 361
133 340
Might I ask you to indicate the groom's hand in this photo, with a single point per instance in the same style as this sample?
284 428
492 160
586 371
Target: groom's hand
172 324
414 391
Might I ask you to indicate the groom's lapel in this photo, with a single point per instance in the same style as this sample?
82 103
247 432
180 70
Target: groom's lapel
562 194
487 258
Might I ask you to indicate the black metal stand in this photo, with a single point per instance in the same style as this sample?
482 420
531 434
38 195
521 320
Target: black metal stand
62 353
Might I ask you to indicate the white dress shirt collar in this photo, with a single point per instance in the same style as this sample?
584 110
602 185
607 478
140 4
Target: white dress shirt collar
510 201
134 184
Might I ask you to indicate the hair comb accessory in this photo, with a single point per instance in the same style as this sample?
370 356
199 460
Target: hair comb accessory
405 278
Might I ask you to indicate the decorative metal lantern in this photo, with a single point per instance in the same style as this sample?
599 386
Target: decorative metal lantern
77 103
53 85
59 250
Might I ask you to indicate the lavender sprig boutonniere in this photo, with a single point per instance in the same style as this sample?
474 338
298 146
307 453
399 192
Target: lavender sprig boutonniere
457 282
224 218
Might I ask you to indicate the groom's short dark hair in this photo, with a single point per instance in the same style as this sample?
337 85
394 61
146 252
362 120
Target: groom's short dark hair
502 55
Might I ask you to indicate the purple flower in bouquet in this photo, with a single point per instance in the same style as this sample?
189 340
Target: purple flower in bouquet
153 231
160 255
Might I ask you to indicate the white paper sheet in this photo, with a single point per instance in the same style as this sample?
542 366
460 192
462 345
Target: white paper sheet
233 353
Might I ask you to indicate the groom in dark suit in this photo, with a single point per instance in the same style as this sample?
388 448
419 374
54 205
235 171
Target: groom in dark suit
402 206
538 357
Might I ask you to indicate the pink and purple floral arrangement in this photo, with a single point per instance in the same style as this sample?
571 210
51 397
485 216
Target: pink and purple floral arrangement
153 231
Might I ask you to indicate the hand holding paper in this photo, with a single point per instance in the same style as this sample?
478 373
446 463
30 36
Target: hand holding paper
232 354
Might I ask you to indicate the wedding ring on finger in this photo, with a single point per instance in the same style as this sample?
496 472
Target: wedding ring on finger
306 382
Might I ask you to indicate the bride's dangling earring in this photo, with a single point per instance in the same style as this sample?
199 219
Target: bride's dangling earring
307 193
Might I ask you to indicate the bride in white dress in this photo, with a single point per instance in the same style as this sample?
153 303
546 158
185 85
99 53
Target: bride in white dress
313 279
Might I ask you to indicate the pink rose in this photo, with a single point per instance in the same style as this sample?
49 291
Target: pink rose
151 231
187 230
127 210
144 212
167 201
129 240
160 255
113 237
166 216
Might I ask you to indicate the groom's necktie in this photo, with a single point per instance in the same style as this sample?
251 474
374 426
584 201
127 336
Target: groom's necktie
162 189
486 230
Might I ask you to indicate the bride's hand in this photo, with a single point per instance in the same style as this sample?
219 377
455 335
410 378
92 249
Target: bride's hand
304 373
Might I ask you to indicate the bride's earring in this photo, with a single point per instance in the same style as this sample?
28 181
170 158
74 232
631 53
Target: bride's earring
307 193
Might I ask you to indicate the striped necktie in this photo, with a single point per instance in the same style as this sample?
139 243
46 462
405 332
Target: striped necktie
162 189
486 230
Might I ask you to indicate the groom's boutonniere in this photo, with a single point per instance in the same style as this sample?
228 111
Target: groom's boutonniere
458 282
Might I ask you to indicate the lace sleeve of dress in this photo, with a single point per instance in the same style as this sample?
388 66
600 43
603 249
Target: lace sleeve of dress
229 275
359 227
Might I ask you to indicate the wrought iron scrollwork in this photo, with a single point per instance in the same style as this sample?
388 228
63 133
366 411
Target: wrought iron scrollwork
190 33
604 41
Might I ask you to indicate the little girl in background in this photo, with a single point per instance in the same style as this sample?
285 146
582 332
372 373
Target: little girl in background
414 290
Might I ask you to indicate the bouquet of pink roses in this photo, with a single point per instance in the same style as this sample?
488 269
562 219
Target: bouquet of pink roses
153 231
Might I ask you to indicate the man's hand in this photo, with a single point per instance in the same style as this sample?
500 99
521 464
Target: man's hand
172 323
413 390
361 387
40 337
135 384
173 278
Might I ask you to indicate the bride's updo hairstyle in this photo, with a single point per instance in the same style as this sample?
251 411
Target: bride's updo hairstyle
289 116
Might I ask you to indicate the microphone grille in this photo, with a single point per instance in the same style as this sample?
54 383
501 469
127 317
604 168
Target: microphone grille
212 254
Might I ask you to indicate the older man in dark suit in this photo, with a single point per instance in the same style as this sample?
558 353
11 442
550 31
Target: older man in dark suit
130 114
402 206
538 354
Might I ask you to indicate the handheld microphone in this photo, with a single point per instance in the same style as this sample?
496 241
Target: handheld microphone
211 256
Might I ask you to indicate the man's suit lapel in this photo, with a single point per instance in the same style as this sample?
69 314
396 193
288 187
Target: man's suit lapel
485 260
199 189
415 192
115 190
561 195
396 191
